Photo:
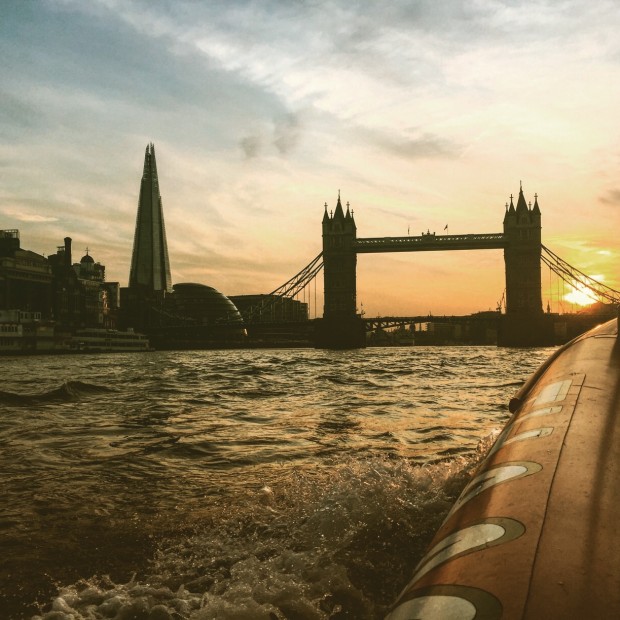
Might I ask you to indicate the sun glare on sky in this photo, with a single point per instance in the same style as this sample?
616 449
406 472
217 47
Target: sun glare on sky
580 295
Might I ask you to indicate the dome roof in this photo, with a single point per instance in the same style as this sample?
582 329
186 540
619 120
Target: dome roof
87 259
204 303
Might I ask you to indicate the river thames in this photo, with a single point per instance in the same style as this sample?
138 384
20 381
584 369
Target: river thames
263 484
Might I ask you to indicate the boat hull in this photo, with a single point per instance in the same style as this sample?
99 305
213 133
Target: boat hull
535 533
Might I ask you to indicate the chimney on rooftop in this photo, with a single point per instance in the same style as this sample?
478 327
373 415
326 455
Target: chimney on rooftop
67 251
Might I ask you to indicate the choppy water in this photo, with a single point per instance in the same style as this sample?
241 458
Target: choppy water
273 484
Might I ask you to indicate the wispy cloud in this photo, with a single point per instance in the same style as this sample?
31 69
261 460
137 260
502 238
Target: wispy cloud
416 147
24 216
285 136
611 198
251 146
286 133
262 110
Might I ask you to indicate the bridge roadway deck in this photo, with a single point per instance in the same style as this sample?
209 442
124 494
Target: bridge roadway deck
430 242
382 322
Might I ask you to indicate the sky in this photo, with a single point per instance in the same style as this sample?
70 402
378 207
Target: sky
423 114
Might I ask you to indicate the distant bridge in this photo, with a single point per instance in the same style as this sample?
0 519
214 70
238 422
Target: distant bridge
386 322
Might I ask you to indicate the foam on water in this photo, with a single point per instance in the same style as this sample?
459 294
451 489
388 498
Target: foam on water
338 543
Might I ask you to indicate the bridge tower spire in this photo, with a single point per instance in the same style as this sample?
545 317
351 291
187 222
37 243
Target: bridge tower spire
341 327
522 232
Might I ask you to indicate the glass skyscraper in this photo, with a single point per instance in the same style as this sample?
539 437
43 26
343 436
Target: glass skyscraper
150 266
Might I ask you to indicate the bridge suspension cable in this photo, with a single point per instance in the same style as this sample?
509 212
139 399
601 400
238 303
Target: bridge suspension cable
289 289
572 276
300 280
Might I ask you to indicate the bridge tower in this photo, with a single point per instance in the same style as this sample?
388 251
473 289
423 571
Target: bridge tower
524 323
340 327
522 258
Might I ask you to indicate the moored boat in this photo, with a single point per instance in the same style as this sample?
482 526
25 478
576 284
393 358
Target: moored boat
106 340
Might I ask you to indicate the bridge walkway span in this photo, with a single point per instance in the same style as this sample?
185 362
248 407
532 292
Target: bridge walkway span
430 242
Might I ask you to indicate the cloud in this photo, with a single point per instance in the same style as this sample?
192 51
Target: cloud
24 216
251 146
424 146
16 115
286 133
261 109
611 198
285 137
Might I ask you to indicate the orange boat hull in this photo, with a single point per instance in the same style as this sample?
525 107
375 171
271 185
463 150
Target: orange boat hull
536 533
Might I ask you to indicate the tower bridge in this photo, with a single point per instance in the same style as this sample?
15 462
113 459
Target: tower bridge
524 322
520 239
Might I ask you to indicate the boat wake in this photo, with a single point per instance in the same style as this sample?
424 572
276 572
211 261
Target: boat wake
339 542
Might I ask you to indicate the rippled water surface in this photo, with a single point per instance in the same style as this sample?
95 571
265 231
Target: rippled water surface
275 484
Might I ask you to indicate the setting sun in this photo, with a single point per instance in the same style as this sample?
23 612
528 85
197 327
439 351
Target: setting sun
581 295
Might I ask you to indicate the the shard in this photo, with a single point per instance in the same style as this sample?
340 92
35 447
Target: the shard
150 266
